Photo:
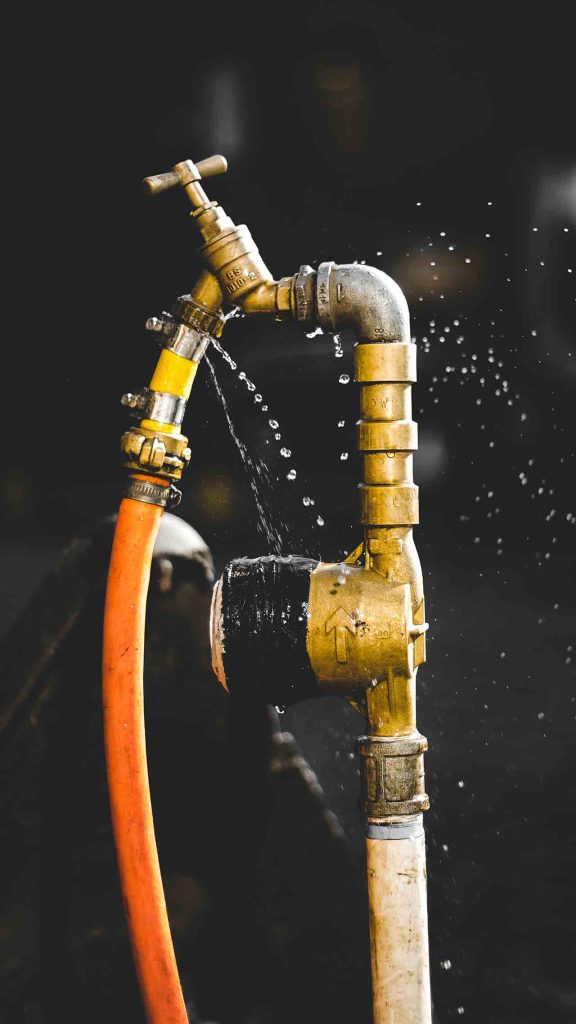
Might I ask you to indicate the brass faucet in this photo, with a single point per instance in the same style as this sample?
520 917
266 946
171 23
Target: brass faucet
363 636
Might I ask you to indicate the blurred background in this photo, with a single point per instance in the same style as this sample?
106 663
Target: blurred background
437 143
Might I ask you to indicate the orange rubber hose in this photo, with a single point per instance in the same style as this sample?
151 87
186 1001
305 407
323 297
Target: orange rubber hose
125 743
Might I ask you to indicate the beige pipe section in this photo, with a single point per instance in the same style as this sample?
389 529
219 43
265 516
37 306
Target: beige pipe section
399 930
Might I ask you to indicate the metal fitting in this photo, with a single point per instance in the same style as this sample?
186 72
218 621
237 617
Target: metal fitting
153 451
233 256
188 328
393 776
166 496
156 405
193 315
304 281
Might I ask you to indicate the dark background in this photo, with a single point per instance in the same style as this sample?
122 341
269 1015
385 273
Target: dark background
435 141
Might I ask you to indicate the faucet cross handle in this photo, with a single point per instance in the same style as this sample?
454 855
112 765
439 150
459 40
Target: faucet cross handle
187 174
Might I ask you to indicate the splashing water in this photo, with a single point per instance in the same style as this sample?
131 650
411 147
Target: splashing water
255 471
258 468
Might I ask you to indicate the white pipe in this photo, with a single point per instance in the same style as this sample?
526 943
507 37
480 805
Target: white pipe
399 927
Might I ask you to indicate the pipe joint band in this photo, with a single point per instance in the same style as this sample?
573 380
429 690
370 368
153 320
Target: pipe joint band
391 362
389 505
393 776
396 830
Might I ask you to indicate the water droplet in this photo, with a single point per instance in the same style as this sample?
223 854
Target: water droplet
285 452
277 436
320 521
308 501
343 456
257 398
291 474
461 784
344 378
341 423
273 424
445 965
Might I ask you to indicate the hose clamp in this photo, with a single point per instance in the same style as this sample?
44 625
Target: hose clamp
152 494
188 328
156 405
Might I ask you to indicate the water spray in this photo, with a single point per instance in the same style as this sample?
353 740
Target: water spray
284 629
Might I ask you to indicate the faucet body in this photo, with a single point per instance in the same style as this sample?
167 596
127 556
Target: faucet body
363 632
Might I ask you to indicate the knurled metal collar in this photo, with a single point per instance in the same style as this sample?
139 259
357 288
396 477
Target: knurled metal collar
204 320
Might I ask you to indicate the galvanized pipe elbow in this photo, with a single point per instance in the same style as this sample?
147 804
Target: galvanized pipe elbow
352 295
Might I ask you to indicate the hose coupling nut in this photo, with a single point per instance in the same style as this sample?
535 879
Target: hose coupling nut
304 287
393 776
153 451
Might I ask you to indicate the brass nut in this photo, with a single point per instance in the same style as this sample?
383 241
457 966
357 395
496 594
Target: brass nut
284 294
145 450
393 776
304 282
385 362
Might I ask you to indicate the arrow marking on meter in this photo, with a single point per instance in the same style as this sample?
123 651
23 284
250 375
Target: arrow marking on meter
340 622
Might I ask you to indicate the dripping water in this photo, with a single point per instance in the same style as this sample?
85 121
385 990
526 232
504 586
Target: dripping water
255 470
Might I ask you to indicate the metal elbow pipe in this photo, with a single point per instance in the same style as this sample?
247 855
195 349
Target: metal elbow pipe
352 295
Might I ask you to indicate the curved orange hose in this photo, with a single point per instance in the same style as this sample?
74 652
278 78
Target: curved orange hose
124 737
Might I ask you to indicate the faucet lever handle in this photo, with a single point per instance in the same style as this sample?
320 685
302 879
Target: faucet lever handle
184 174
